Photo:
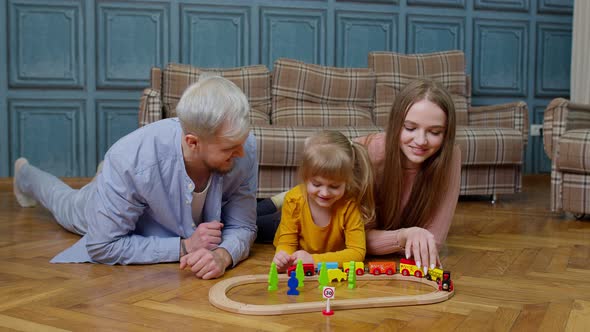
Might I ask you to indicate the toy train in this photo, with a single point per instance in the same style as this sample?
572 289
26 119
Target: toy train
407 267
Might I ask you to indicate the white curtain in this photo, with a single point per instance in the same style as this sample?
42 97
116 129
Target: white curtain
580 70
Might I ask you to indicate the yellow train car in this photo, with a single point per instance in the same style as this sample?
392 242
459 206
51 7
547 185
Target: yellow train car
407 267
435 274
359 268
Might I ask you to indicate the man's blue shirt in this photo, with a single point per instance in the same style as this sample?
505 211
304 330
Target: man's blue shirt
139 206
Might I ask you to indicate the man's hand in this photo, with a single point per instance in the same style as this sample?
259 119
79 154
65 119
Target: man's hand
206 236
207 264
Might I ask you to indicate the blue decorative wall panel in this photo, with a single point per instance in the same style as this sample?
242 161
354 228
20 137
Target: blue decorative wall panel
391 2
46 44
78 66
131 39
441 3
501 58
293 33
516 5
556 6
357 34
115 119
554 51
49 134
434 33
539 157
215 36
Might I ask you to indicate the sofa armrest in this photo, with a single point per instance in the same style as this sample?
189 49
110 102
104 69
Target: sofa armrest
150 107
560 116
513 115
156 78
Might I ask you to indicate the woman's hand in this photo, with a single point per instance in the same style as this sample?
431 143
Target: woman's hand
420 245
302 255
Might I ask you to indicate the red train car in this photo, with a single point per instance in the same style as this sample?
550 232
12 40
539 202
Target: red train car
308 269
377 268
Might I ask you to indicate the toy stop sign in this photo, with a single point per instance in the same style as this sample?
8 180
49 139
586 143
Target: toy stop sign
328 292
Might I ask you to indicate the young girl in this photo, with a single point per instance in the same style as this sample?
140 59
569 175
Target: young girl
323 219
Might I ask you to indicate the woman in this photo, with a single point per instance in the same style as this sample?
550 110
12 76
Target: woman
417 195
417 171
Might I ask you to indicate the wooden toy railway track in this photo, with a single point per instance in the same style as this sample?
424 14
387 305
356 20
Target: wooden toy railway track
218 297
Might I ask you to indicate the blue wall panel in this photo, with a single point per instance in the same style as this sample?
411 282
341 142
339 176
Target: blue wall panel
539 157
358 33
501 58
434 33
554 51
441 3
46 44
391 2
516 5
131 39
79 66
293 33
556 6
49 134
215 36
115 119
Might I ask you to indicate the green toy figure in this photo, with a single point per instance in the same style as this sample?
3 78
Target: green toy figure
299 273
273 277
352 275
323 279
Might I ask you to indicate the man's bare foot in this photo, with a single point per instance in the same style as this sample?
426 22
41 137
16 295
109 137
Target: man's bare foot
22 199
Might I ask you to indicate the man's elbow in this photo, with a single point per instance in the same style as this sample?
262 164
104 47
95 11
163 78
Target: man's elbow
102 253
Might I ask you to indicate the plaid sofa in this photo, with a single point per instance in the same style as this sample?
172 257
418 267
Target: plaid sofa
566 139
296 99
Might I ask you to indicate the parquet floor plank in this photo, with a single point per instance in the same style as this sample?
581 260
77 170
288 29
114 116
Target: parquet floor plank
556 317
17 324
579 318
516 267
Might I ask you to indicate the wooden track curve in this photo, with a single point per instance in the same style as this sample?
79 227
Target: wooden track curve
218 297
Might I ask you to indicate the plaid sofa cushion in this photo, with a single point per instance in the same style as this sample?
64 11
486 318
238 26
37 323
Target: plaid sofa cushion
313 95
574 151
395 70
282 145
490 179
253 80
489 146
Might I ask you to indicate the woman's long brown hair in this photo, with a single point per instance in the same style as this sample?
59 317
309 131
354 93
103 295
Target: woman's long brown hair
431 180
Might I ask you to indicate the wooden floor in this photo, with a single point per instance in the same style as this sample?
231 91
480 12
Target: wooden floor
516 267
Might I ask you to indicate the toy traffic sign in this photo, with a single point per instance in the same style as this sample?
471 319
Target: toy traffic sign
328 293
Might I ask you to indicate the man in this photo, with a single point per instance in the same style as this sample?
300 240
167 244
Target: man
177 189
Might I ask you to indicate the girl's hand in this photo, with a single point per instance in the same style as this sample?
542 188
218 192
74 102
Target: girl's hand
420 245
282 261
302 255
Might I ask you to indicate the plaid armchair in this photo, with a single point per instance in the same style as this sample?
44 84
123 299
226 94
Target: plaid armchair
566 139
297 99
